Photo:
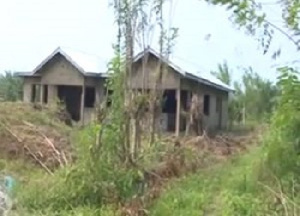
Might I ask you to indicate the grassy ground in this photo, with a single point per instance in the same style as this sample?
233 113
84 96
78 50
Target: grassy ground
220 190
75 212
208 192
26 175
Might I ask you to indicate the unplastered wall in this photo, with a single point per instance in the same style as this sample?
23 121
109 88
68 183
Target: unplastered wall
146 77
99 84
52 93
212 120
27 87
58 71
225 111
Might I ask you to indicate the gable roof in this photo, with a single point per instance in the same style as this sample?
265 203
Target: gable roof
92 65
87 64
186 70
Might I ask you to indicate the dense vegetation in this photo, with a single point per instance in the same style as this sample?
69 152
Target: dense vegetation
254 98
10 87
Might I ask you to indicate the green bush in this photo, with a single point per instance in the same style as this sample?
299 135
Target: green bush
88 182
283 142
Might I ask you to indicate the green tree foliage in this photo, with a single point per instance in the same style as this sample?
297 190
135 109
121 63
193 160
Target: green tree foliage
252 15
280 172
253 95
259 95
10 87
284 143
223 73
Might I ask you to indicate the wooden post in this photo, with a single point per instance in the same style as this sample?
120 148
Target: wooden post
178 108
82 105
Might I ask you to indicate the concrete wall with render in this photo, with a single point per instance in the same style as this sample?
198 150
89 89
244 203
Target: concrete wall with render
146 77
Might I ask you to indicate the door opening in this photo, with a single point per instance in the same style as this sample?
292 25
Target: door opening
71 96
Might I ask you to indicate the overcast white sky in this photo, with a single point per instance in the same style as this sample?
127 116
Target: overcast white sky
32 29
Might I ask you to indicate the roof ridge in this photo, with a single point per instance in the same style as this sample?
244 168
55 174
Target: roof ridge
80 51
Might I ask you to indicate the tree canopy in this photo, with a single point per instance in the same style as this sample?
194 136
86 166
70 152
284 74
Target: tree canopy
10 87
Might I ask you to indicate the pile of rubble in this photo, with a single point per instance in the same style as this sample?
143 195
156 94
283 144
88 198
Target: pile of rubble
35 135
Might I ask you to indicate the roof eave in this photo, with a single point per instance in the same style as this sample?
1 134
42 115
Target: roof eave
26 74
96 75
207 82
180 70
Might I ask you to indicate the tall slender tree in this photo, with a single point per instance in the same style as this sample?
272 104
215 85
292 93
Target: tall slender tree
135 24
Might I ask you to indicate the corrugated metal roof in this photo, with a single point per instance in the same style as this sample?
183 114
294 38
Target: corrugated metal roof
24 74
85 63
92 65
89 63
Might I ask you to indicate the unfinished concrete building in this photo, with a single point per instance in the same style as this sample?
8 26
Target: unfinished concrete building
179 83
78 80
70 76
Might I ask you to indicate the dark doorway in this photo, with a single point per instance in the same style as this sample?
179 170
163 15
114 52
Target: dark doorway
71 96
89 97
45 94
169 108
33 93
206 107
169 102
184 107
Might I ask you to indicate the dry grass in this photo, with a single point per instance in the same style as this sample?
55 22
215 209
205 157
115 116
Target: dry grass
33 133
